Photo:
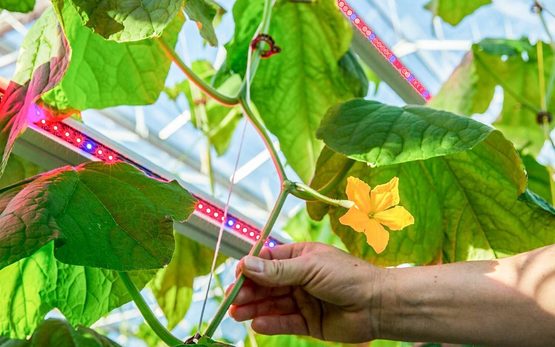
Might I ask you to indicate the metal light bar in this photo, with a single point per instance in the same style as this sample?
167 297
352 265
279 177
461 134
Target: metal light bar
51 144
416 93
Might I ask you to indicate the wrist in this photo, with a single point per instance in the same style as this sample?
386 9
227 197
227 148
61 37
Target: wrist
376 295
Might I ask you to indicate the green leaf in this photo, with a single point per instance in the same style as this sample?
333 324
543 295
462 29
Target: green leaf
465 202
513 65
293 89
130 20
380 134
538 177
58 333
17 5
217 122
41 64
173 285
208 342
33 286
104 73
115 210
203 12
291 340
17 169
453 11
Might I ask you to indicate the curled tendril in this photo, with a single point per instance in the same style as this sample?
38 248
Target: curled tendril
269 41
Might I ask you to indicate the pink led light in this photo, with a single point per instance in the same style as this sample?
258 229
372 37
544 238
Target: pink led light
383 49
78 139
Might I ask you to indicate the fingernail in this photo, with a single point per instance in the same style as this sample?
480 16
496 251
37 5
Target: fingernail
254 264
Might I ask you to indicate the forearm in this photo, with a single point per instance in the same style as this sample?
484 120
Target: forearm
508 302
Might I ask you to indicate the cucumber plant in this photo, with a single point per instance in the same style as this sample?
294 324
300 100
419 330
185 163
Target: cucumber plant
437 186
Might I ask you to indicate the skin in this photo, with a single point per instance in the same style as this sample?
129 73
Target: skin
317 290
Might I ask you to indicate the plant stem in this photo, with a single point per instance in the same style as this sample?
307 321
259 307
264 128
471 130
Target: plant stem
255 251
301 187
549 90
541 75
545 124
149 317
254 120
199 82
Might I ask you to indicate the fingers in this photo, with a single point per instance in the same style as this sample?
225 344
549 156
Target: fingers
286 324
275 306
275 273
250 292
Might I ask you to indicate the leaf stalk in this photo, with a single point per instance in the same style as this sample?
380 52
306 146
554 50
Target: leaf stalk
160 330
303 188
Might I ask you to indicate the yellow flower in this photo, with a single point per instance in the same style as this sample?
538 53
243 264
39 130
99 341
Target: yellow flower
374 208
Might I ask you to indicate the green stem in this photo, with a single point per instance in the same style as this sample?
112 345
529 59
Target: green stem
255 251
149 317
254 120
551 84
541 75
301 187
545 124
525 103
199 82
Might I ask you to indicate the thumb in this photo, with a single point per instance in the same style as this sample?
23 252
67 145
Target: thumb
274 273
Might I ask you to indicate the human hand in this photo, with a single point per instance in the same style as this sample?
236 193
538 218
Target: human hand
309 289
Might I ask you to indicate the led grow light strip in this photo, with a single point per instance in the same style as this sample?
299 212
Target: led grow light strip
203 209
367 32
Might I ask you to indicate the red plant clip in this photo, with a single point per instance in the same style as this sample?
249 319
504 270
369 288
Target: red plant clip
271 50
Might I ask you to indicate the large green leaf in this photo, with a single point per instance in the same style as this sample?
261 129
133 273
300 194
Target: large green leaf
33 286
107 216
380 134
17 5
130 20
465 202
217 122
41 64
58 333
453 11
513 65
294 88
104 73
173 286
203 12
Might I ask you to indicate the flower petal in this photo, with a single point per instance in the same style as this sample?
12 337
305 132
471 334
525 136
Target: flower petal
359 193
395 218
376 236
356 219
385 195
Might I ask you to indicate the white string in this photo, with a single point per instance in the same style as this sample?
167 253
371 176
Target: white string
230 191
